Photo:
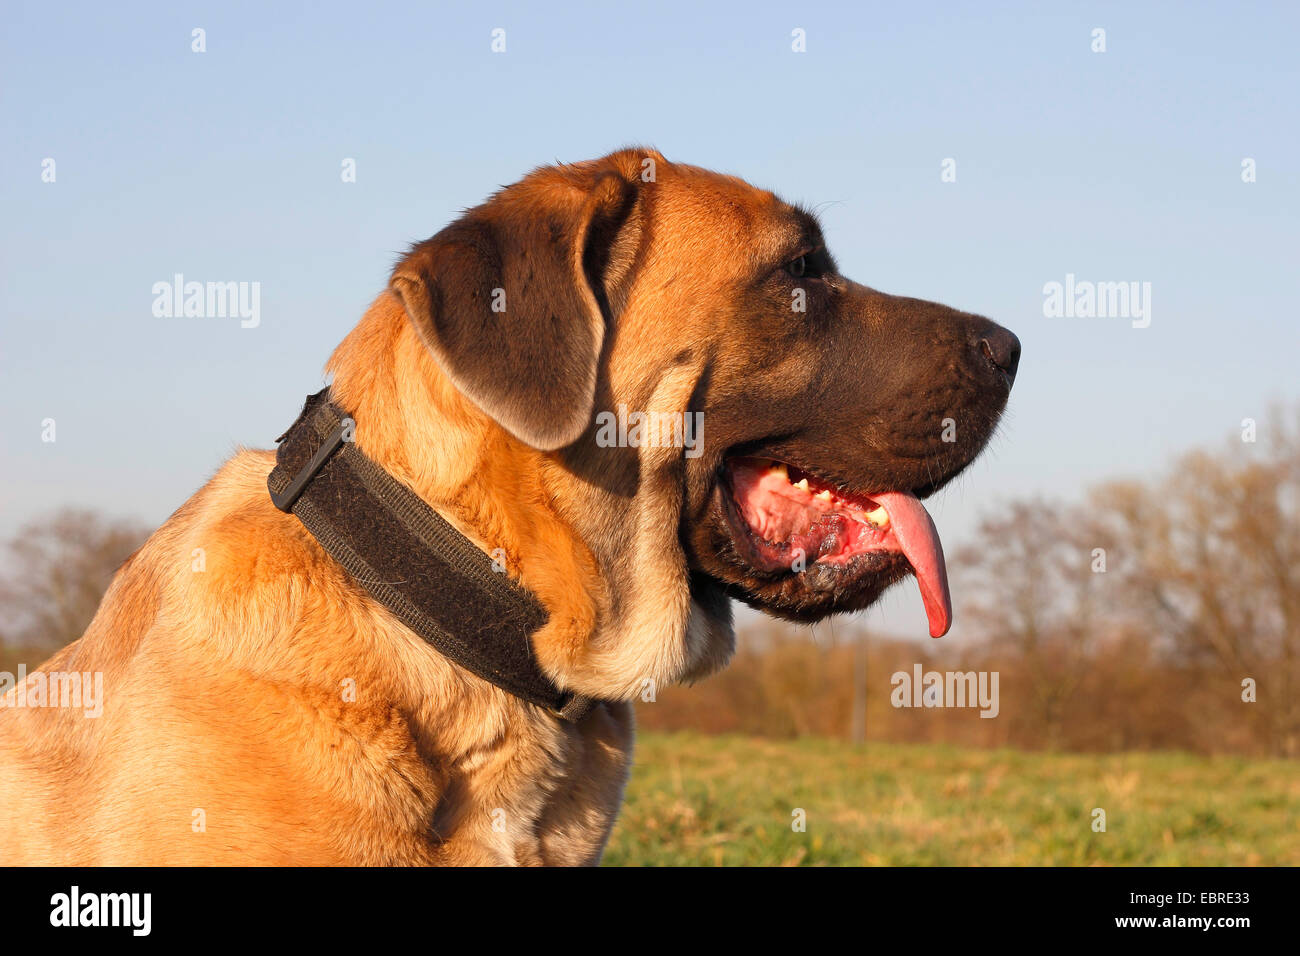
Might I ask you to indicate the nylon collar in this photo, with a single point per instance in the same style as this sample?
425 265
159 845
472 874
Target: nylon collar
408 558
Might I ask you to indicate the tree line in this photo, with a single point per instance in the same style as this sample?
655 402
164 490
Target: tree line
1155 613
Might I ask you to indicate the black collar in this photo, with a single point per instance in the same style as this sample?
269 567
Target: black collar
429 575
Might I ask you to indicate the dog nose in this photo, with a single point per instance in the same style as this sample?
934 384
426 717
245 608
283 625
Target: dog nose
1001 347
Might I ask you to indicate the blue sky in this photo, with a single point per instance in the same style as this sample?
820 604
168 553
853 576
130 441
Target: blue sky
225 165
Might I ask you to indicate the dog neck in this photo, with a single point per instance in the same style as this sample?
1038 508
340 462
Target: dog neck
520 504
492 488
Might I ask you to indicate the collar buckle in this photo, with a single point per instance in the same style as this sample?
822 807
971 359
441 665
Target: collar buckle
285 498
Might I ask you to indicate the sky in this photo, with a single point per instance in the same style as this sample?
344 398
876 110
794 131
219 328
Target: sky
226 165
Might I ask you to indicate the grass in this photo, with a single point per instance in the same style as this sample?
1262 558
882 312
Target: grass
715 801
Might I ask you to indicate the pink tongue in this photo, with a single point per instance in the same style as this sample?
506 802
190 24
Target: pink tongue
916 534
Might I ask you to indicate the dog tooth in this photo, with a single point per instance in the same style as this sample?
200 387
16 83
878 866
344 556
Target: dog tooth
879 517
824 495
778 468
802 484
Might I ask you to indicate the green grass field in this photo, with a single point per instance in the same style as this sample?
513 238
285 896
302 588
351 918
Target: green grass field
697 800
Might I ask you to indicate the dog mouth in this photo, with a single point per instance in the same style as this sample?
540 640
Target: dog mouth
786 521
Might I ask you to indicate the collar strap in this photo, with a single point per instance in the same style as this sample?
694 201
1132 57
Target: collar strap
431 577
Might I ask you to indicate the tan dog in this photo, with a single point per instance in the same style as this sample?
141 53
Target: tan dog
827 410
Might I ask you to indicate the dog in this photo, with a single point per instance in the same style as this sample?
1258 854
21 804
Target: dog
262 706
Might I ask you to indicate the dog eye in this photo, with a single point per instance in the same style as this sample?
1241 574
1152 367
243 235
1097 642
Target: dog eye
810 265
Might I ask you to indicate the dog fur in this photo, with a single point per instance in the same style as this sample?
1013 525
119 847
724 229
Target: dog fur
226 735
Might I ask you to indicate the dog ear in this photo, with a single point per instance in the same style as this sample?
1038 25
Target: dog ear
513 298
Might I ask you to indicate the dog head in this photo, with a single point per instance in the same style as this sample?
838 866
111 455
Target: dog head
715 409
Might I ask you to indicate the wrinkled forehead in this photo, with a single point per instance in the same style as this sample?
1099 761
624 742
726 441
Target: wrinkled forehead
706 212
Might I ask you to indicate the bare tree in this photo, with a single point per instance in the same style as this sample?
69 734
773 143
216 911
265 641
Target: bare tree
1032 589
56 570
1210 561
